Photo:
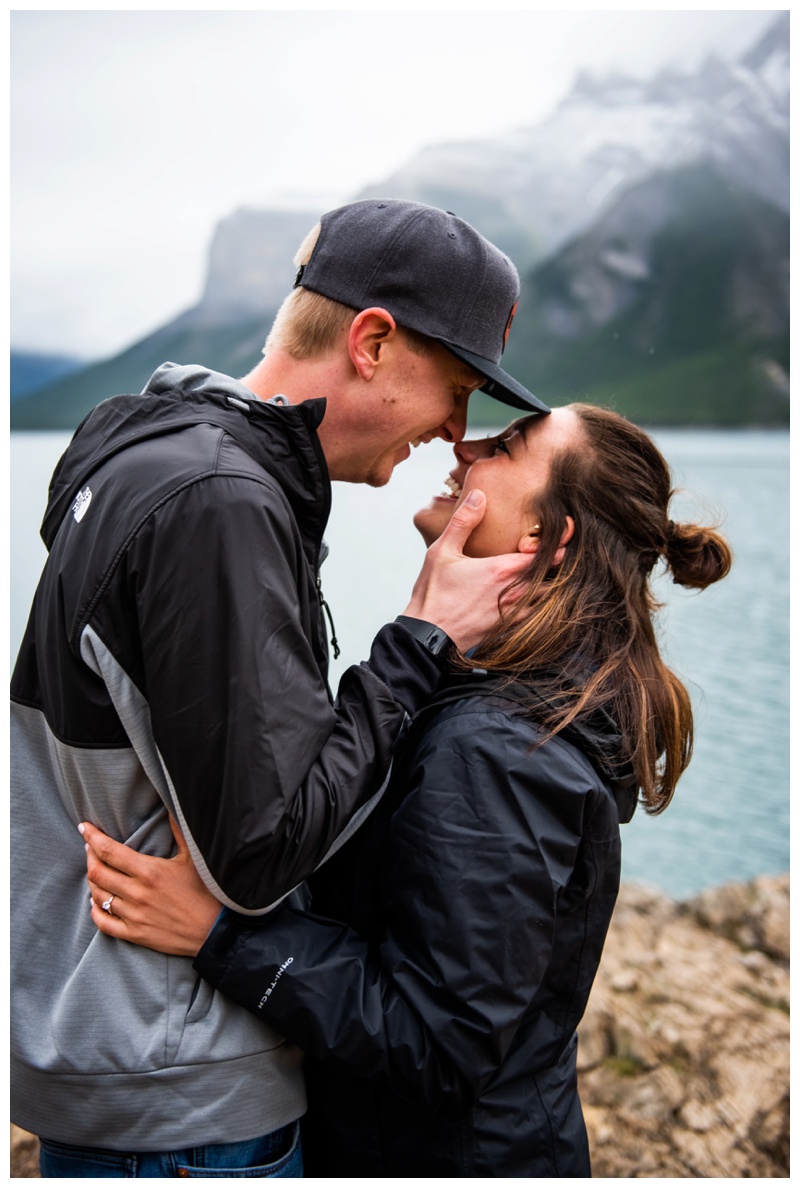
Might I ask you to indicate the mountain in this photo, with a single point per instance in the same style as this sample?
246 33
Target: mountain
250 267
249 273
31 370
649 220
536 188
673 307
231 345
654 219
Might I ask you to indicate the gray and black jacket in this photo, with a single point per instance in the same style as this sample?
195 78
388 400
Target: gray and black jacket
175 659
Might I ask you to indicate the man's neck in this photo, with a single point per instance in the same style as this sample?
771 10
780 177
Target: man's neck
304 379
279 374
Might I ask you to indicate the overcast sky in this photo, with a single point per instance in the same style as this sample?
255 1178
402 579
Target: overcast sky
133 133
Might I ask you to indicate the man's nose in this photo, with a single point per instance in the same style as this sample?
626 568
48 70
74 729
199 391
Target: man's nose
454 428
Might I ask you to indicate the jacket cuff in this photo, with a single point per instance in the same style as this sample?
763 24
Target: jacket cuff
218 948
406 665
429 635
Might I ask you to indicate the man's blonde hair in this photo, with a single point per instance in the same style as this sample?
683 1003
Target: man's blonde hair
308 325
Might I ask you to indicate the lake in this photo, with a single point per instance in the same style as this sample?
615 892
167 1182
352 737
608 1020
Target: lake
729 820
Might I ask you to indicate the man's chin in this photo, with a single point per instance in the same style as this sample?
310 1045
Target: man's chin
377 478
383 469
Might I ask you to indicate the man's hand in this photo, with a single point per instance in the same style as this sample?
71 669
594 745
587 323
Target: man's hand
461 594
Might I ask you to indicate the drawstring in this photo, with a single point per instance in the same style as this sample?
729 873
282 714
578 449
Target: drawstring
327 609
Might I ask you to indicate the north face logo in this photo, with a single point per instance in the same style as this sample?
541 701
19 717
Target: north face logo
81 504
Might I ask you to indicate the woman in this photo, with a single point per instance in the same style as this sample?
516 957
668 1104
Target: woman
438 981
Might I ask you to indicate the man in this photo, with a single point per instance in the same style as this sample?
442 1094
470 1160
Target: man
176 660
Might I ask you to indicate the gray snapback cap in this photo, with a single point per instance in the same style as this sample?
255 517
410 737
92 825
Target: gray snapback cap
433 272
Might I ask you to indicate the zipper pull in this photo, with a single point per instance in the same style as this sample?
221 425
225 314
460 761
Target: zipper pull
334 641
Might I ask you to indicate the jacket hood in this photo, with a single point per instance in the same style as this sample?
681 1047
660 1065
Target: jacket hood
598 735
282 438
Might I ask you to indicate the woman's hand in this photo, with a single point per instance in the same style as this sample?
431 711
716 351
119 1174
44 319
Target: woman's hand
160 903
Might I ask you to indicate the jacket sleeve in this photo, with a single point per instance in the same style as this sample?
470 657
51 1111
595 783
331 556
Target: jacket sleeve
264 771
478 854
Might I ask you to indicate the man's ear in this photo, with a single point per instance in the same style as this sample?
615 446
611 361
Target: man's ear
370 330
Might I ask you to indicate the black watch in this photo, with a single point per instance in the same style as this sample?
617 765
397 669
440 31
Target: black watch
428 634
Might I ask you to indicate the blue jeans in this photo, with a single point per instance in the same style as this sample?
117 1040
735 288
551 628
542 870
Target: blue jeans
276 1154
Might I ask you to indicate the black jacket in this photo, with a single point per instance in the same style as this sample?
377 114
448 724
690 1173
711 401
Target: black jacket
441 1000
175 658
191 581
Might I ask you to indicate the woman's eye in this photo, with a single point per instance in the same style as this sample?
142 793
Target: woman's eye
501 445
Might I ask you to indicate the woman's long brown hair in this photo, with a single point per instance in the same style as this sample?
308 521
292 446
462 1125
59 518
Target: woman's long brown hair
588 639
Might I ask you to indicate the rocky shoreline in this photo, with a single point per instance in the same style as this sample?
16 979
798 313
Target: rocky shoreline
684 1050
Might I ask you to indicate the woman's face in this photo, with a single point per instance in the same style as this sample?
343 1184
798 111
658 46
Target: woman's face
510 469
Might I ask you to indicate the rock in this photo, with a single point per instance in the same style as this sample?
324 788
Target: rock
772 896
700 1116
24 1154
753 915
624 981
684 1048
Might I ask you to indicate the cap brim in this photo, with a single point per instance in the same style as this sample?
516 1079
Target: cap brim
499 384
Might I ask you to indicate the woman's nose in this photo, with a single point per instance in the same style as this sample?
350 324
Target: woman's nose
468 451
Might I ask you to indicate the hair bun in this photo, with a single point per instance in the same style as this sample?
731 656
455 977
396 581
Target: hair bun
697 557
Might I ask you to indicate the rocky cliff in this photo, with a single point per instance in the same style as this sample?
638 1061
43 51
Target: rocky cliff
673 308
684 1049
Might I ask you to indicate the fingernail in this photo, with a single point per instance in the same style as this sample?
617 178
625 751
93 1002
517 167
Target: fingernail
81 828
474 499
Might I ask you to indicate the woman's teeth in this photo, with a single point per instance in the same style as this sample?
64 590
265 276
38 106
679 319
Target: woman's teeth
455 489
417 441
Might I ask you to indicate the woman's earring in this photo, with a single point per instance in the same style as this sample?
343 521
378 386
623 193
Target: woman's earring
536 529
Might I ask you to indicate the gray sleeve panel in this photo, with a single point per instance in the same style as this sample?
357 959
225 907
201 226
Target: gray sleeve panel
56 785
131 707
134 713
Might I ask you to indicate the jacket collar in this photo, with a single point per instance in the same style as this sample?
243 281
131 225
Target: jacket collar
280 438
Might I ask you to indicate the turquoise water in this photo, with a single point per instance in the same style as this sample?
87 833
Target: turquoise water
730 816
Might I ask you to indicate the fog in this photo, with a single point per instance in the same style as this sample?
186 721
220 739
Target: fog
133 133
